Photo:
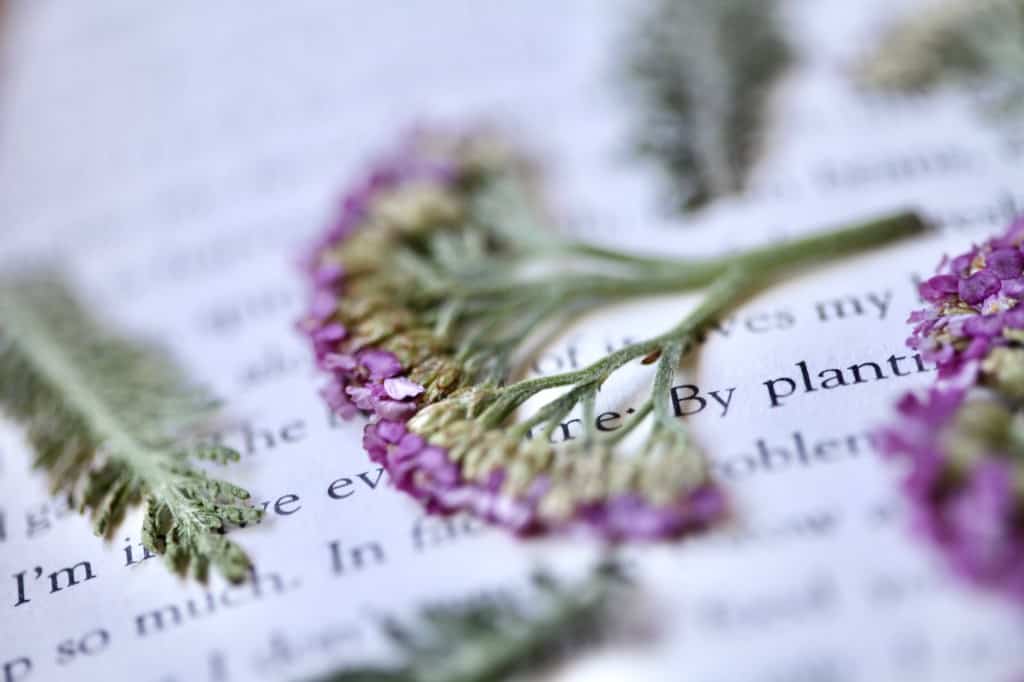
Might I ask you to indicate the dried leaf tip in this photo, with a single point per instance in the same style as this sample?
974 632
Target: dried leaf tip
701 72
111 422
495 636
972 43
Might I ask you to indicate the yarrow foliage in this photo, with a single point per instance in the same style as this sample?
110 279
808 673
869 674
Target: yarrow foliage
964 440
115 423
430 286
972 44
703 92
500 635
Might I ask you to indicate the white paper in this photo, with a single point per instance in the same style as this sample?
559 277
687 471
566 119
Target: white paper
176 157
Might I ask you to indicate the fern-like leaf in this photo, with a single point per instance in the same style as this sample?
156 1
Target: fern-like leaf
113 422
701 71
975 43
490 638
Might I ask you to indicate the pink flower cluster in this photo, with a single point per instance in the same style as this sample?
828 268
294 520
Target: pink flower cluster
362 378
973 301
971 505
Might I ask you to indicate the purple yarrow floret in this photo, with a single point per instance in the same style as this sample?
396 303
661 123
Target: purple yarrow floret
974 304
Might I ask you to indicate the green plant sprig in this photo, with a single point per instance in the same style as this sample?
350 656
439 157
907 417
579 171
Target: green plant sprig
488 639
492 336
491 303
738 277
455 284
114 424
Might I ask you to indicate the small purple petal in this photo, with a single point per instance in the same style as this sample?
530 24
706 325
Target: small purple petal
323 305
329 334
391 431
381 364
1014 318
400 388
984 325
1005 263
410 444
362 396
342 361
939 287
978 287
962 264
328 274
393 410
1014 288
977 348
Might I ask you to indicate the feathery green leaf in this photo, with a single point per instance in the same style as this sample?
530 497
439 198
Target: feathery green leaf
111 421
975 43
487 639
702 71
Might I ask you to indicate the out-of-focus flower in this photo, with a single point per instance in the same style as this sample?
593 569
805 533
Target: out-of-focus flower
965 455
963 441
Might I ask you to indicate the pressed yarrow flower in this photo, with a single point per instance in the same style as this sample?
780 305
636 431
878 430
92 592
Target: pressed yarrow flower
965 452
431 284
974 309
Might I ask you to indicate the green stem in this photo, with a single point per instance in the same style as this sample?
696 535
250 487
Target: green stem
833 243
736 276
670 276
611 255
630 424
732 285
730 277
660 388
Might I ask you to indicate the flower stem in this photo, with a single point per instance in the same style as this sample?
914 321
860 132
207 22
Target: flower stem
731 278
732 285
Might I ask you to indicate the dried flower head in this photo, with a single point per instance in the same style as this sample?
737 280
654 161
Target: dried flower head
963 442
973 309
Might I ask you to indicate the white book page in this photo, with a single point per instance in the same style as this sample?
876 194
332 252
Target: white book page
176 158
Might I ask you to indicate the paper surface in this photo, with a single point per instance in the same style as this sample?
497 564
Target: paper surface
177 157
